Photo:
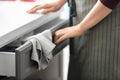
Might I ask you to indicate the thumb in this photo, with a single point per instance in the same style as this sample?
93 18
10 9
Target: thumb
60 39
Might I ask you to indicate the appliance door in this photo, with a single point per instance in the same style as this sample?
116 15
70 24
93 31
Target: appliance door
26 69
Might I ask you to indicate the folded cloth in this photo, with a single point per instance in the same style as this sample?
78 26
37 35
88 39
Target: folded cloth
42 48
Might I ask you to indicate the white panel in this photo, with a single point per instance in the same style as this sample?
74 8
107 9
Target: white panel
7 63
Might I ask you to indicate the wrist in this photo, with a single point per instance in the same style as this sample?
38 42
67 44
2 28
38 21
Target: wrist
62 2
81 28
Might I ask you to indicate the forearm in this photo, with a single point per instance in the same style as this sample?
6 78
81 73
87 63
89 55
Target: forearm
98 13
62 2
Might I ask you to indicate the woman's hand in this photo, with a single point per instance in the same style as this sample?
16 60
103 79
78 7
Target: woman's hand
66 33
48 7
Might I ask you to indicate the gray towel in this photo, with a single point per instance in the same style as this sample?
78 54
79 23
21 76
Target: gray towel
42 48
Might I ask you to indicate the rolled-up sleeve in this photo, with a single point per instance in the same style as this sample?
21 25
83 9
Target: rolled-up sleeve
110 3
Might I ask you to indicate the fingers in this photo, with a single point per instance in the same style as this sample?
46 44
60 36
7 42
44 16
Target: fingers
48 7
37 7
60 39
59 36
45 11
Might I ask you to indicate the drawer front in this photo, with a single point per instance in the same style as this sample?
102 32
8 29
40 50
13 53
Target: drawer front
7 64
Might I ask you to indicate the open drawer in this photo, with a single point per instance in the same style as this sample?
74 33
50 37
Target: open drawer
7 63
19 63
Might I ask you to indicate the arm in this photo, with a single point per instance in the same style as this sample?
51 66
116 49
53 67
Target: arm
98 13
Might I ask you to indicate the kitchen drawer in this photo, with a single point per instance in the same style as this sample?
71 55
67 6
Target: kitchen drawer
18 63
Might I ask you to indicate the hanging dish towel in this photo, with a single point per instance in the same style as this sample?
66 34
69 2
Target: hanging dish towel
42 48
